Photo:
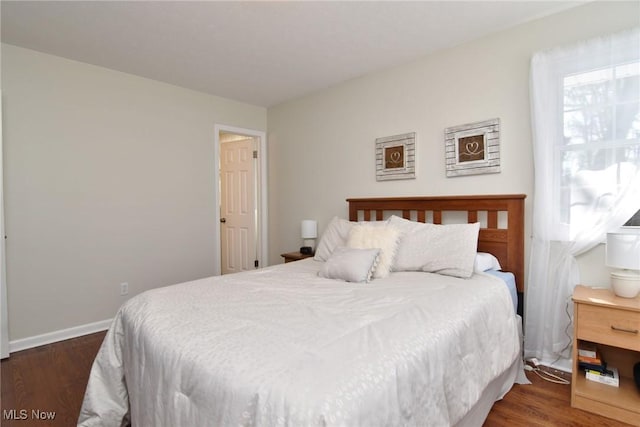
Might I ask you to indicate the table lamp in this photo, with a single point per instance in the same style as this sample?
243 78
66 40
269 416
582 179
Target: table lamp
309 231
623 253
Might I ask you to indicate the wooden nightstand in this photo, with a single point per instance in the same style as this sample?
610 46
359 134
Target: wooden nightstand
295 256
613 323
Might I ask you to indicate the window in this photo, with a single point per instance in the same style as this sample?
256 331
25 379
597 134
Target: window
600 150
585 101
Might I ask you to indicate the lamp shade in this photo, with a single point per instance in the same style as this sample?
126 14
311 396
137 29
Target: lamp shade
309 229
623 248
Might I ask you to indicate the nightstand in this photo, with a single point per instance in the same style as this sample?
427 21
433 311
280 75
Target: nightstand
613 323
295 256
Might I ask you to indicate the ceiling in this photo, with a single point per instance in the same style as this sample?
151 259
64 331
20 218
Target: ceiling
262 53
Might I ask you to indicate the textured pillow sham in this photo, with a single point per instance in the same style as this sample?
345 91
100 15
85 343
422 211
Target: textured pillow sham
485 261
334 235
444 249
383 237
350 264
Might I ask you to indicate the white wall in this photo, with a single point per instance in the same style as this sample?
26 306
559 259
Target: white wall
322 146
108 179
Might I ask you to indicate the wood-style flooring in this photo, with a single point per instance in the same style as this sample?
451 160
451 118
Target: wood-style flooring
52 379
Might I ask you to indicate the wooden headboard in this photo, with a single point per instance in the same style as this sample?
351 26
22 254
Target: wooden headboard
506 243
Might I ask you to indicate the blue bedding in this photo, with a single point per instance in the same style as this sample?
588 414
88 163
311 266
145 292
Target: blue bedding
510 280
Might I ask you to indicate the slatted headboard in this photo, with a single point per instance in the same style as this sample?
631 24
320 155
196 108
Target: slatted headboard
506 243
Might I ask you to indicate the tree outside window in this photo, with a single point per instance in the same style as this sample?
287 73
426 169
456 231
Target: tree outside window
600 147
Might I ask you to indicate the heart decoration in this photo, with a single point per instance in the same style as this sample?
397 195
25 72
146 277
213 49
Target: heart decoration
472 147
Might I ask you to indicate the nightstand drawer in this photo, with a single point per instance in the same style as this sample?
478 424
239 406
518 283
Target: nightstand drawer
619 328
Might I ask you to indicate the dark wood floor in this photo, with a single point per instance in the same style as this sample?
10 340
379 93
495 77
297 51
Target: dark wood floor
53 378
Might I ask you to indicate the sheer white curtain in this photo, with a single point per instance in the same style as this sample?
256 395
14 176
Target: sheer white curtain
586 142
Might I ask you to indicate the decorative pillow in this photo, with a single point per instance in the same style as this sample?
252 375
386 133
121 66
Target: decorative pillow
444 249
485 261
334 235
383 237
350 264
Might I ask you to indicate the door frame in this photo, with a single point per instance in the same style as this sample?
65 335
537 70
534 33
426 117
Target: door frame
4 314
261 189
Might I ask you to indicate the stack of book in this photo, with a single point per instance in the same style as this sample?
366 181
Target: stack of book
590 359
609 377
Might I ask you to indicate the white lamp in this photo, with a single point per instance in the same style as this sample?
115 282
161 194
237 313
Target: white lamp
308 231
623 252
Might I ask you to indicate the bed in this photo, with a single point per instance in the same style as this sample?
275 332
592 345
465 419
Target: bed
285 346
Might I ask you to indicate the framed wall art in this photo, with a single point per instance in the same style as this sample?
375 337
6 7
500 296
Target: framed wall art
395 157
473 149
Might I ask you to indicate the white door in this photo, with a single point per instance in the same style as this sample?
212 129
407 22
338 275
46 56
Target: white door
238 205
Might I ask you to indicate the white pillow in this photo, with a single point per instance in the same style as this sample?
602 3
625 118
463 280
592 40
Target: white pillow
485 261
383 237
444 249
409 255
350 265
334 235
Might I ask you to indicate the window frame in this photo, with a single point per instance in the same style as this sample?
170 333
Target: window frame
562 191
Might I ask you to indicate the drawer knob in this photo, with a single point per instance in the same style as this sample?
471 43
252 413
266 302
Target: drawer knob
629 331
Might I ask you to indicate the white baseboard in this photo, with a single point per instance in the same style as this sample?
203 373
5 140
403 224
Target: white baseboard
61 335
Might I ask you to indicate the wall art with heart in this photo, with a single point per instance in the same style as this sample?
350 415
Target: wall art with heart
396 157
473 148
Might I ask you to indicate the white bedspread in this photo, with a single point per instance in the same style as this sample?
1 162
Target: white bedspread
281 346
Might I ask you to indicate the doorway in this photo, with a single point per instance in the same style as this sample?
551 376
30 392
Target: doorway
240 199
